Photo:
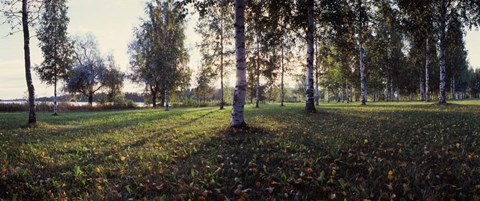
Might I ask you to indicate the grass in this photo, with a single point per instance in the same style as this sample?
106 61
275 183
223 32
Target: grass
400 151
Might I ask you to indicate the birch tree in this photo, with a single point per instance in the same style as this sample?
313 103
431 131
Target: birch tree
55 44
310 101
419 18
443 73
237 120
388 48
204 78
141 62
158 55
443 11
280 39
469 10
456 55
361 17
216 28
29 11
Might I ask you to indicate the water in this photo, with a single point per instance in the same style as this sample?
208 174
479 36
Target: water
139 104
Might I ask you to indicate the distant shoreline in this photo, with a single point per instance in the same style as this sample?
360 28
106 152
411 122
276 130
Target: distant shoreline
81 103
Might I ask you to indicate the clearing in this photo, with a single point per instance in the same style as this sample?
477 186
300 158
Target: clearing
409 150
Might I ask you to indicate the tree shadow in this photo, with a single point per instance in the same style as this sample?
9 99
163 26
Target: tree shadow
284 155
67 128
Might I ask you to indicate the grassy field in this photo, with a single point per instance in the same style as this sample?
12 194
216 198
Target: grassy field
400 151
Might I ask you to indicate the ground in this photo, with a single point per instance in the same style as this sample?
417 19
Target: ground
382 151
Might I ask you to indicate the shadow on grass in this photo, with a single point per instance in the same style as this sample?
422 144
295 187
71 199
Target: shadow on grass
67 127
286 154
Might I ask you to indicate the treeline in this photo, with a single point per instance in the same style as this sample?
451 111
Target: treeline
409 50
336 49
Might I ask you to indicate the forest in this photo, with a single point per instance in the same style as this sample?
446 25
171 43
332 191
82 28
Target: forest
332 100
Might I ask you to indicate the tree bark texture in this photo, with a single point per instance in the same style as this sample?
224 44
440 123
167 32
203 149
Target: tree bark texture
55 107
222 102
363 86
427 73
282 95
90 98
387 90
443 74
392 91
310 102
237 120
317 66
452 88
422 85
32 117
257 79
166 98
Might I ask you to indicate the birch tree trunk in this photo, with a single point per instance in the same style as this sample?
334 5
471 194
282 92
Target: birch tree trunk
327 95
238 120
342 97
392 92
282 95
362 65
317 65
443 74
387 91
346 91
452 87
257 65
398 94
310 103
154 97
221 64
55 107
32 117
154 100
351 93
422 85
166 98
427 73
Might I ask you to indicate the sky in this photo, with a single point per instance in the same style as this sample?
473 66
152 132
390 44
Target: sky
112 22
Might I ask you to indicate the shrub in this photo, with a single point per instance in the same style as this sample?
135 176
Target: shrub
68 107
13 107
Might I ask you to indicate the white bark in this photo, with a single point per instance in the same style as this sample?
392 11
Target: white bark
398 94
282 96
387 91
427 73
327 98
392 92
443 73
363 86
346 91
422 86
257 79
166 99
317 66
452 88
237 120
310 102
32 117
221 64
55 107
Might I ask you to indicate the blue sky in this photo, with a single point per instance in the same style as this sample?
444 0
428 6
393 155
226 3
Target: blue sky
112 22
